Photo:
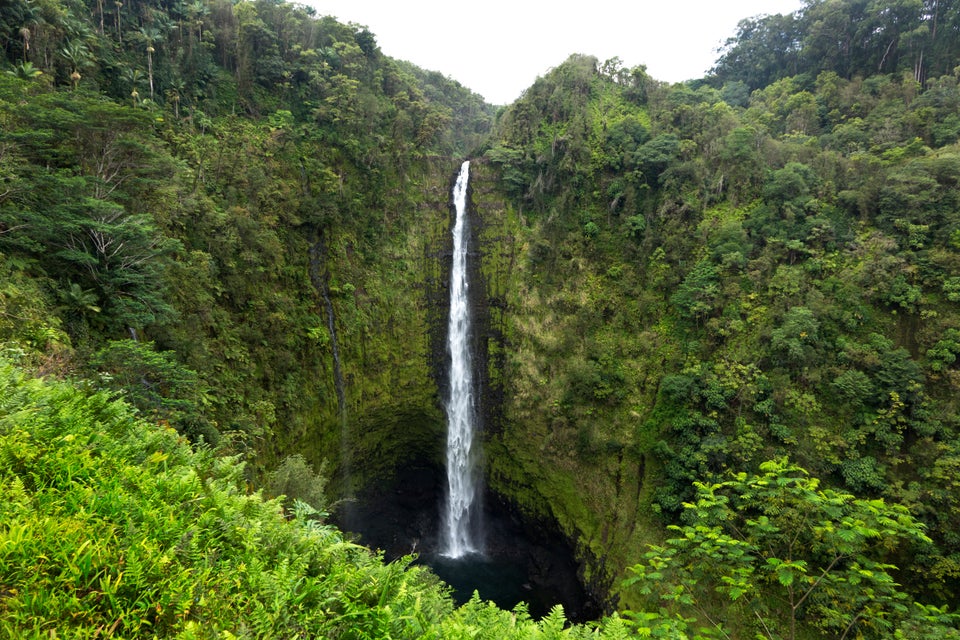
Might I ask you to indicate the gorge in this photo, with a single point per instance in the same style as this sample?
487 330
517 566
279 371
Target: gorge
691 303
472 538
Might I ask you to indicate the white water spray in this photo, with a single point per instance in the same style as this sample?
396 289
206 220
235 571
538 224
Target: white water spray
458 534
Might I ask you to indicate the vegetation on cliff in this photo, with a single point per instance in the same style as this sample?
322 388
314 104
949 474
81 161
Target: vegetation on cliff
191 190
115 527
234 215
709 280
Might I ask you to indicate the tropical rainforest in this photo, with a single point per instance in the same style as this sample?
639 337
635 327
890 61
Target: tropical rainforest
718 332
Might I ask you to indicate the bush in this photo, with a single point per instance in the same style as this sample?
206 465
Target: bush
295 480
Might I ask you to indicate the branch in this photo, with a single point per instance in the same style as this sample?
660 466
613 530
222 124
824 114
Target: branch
764 623
850 626
885 54
823 575
716 625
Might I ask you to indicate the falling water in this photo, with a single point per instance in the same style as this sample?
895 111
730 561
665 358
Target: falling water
482 548
458 534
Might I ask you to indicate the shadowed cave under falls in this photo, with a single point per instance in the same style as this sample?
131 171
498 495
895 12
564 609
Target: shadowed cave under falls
469 537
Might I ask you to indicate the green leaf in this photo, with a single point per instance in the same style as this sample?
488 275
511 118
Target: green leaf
785 577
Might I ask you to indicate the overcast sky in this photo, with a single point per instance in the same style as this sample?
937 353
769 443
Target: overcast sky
499 47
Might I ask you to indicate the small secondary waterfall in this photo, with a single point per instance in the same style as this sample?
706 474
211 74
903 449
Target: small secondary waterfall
459 531
319 281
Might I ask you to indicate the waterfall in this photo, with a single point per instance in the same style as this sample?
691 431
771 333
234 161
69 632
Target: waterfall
458 534
320 284
317 249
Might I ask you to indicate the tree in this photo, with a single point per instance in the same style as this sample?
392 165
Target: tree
79 57
149 37
741 163
25 71
122 255
157 384
295 479
696 297
764 49
653 157
795 339
790 187
119 33
792 556
79 206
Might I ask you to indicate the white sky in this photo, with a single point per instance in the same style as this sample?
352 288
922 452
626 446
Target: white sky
497 48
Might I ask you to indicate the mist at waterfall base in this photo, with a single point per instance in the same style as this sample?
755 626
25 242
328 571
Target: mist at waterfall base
523 560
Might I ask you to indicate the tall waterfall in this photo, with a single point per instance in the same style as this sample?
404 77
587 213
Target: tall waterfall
459 530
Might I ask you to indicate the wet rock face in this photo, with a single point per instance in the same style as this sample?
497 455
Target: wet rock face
524 561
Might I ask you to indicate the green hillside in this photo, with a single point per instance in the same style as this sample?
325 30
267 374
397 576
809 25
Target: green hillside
719 330
114 527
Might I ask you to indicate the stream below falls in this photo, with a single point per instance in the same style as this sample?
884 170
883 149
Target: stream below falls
523 562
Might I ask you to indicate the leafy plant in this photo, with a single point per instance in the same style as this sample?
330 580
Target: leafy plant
779 550
116 526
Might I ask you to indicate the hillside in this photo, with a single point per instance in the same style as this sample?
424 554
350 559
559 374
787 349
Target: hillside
114 527
236 216
269 158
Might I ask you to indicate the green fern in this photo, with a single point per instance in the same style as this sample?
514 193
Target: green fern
116 526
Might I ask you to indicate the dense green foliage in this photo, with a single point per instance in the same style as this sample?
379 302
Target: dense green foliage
779 549
114 527
234 214
848 37
261 154
706 283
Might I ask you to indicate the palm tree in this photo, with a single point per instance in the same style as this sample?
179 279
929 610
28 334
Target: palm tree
119 6
150 35
78 55
25 34
78 300
150 51
133 76
77 306
179 8
100 9
197 12
175 93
